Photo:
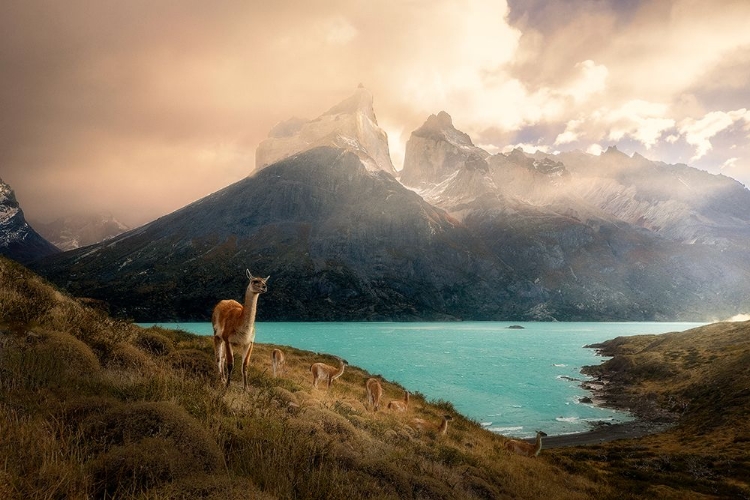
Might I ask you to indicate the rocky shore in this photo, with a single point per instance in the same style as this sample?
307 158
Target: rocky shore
609 390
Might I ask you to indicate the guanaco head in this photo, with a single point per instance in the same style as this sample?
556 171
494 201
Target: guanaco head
257 285
541 433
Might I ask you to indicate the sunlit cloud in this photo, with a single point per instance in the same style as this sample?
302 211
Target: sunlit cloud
729 163
528 148
571 134
92 88
738 318
339 31
591 80
698 133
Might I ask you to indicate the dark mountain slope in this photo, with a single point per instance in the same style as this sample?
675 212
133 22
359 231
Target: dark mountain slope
600 269
340 242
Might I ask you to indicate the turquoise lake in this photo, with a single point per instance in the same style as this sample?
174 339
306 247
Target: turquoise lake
512 381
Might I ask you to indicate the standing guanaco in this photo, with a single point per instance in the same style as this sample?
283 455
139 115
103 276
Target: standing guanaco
374 393
322 371
525 448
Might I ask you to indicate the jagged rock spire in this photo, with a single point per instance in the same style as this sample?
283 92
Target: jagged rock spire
350 124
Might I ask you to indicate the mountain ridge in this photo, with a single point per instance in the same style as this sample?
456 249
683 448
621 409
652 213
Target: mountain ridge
474 237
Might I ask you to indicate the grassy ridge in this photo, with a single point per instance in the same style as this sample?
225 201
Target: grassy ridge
91 407
96 408
700 381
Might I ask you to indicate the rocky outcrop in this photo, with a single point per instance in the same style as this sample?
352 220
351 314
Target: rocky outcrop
349 125
18 240
437 150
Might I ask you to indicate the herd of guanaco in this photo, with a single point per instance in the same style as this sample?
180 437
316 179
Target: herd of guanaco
234 326
322 372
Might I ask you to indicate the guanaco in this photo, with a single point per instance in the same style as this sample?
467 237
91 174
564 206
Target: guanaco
322 371
402 405
234 325
525 448
278 361
441 428
374 393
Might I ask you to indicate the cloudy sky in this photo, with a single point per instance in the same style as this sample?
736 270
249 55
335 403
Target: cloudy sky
140 107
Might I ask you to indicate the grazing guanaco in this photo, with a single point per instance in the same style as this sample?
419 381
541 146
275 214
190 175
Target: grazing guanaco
374 393
402 405
525 448
322 371
234 325
441 428
278 361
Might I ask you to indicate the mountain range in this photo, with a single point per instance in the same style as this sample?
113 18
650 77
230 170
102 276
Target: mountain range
461 234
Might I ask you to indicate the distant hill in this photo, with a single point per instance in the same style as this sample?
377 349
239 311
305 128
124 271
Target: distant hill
342 242
18 240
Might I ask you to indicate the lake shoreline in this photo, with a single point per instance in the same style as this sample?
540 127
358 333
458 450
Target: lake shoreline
608 393
604 433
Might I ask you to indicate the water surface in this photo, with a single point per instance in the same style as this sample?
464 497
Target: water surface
513 381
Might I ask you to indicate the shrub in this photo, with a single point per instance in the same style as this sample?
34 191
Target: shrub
124 425
154 343
135 467
194 362
46 359
127 357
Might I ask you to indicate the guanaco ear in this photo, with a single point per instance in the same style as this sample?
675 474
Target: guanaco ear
267 277
248 274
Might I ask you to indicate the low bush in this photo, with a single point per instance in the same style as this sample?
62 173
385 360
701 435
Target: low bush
154 343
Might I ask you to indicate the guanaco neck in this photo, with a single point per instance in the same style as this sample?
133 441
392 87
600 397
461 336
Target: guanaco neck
249 309
340 371
406 398
443 426
538 445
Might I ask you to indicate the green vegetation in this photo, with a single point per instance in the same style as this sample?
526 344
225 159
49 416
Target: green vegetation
91 407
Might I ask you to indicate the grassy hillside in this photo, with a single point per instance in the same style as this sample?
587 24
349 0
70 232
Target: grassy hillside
91 407
700 381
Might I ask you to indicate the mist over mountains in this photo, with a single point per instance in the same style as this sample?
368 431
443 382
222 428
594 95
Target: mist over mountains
462 234
71 232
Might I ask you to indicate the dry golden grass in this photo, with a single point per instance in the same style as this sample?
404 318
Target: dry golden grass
700 379
91 407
